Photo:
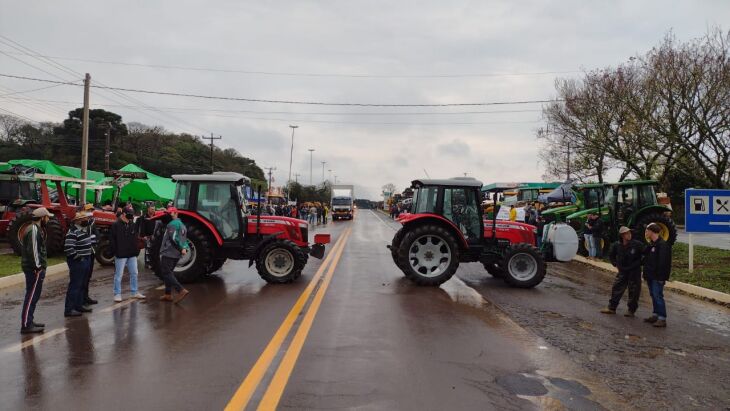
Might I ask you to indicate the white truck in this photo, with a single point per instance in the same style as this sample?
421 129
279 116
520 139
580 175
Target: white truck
343 202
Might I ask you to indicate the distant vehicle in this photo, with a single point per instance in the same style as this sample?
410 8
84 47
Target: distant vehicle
343 202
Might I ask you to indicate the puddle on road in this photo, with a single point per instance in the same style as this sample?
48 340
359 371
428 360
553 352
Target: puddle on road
559 383
549 393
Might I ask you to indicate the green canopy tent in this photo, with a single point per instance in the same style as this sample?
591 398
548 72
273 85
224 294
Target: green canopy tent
49 167
154 188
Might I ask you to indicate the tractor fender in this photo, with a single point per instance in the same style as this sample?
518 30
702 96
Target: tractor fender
265 240
411 219
204 222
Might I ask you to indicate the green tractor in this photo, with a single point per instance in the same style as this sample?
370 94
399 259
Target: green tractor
629 203
587 196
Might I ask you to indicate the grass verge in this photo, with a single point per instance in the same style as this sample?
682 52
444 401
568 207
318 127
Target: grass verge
10 263
711 267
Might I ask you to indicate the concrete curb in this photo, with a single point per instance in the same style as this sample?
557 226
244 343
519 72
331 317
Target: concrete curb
689 289
52 272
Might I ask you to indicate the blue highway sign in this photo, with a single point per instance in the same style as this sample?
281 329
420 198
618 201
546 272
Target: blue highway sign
707 211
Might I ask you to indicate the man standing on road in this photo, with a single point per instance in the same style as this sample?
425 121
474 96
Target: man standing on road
588 236
78 250
33 263
147 229
312 215
597 229
626 255
512 213
174 246
657 267
123 244
91 230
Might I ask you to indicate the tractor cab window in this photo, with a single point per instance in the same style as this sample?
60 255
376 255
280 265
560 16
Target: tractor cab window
625 203
647 196
426 200
460 207
217 203
592 197
242 200
182 196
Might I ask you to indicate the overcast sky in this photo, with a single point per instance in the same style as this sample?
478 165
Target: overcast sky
425 52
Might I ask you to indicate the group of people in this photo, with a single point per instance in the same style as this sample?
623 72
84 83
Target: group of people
629 256
80 245
312 214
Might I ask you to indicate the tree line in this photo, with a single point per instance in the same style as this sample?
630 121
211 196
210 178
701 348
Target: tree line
151 147
662 115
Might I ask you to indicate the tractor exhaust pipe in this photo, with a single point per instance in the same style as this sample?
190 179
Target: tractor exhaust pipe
258 215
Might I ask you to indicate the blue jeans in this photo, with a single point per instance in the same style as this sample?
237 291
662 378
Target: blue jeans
119 264
656 291
77 270
591 245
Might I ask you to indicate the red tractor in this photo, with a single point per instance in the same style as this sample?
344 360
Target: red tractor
446 227
213 207
17 189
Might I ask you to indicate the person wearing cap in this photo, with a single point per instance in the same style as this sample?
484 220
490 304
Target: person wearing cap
657 268
79 254
626 255
93 232
33 262
174 246
123 237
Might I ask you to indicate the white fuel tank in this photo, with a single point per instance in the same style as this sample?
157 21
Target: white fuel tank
564 240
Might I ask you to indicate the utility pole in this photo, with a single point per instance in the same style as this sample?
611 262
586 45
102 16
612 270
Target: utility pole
271 169
311 156
323 163
85 139
335 178
108 144
211 138
291 154
330 171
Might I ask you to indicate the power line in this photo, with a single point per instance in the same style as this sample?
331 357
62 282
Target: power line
319 113
315 103
299 74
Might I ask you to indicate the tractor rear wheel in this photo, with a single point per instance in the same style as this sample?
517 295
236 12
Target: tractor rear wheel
523 265
669 229
280 261
395 244
53 232
216 264
428 255
191 267
104 254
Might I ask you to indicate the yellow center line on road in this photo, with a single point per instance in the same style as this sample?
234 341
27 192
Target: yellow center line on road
243 394
278 383
38 338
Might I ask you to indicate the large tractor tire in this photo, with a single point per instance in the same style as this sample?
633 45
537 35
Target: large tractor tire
669 229
428 255
191 267
216 264
104 254
524 266
280 261
53 232
395 244
494 269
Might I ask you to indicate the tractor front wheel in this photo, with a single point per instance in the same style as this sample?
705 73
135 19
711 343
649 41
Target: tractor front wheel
524 266
280 261
428 255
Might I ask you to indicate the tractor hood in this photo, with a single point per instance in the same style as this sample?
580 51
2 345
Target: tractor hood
560 210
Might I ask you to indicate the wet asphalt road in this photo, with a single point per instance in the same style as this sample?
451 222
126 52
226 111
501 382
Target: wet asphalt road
365 338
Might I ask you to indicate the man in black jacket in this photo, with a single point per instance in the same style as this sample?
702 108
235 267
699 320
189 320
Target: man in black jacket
657 267
123 237
626 255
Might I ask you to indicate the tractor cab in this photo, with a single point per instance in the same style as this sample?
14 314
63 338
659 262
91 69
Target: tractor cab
218 198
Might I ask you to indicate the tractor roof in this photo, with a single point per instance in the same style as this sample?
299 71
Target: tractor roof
223 176
451 182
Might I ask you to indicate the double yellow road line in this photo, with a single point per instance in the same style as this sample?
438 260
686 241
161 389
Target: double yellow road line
276 387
